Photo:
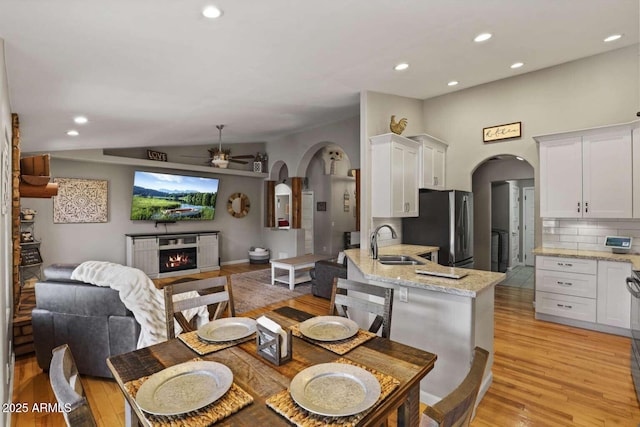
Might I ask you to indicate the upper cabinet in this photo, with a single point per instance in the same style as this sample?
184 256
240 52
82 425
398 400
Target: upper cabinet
635 137
586 174
432 161
394 176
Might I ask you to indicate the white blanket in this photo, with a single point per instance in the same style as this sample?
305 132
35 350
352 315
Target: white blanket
139 294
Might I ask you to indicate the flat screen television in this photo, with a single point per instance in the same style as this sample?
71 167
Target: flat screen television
171 197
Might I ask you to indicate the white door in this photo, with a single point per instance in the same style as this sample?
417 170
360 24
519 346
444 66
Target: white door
607 176
514 224
561 178
307 221
528 220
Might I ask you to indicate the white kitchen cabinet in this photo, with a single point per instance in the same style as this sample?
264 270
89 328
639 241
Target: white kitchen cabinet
394 176
208 257
432 168
635 138
142 253
586 174
614 300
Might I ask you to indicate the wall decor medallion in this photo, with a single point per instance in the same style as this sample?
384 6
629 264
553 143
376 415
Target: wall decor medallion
502 132
321 206
80 201
238 205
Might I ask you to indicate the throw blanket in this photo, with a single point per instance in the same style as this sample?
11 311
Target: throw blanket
139 294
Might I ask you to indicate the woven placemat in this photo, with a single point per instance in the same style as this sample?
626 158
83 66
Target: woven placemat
232 401
192 341
341 347
284 405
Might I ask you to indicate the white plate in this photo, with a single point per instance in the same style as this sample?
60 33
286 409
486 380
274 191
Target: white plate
183 388
328 328
335 389
227 329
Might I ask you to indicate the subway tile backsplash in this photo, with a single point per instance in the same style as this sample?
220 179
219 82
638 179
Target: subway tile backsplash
587 234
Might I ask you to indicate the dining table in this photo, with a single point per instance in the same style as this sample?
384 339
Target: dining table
262 379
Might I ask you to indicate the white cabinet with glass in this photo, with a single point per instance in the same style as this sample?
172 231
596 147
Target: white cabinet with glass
394 176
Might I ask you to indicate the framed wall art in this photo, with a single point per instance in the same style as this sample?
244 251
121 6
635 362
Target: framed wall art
502 132
80 201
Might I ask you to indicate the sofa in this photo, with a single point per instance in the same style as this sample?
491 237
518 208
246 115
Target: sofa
90 319
322 276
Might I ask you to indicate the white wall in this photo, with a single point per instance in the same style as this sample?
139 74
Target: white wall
6 244
73 243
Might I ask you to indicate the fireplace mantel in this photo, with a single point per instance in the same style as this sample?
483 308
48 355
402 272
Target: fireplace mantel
189 252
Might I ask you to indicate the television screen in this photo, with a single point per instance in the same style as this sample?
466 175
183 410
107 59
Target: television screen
171 197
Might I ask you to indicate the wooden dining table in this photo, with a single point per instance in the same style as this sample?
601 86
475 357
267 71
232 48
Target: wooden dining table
262 379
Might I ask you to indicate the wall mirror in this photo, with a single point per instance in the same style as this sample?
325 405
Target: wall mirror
238 205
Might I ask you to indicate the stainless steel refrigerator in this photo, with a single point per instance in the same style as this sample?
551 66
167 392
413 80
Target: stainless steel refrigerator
446 220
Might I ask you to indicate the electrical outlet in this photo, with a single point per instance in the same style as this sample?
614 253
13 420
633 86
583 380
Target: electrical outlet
404 294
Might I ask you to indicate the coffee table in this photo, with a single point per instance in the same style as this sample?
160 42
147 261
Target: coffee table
297 268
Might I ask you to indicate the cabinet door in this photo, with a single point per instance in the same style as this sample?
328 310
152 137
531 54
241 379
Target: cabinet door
410 181
207 251
439 158
607 175
614 301
635 137
561 178
145 256
428 173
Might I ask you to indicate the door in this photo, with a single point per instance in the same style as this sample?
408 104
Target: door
514 224
528 220
607 176
561 178
307 220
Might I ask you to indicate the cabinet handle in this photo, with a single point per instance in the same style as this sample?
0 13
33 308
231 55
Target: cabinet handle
586 207
578 206
564 306
565 283
565 264
435 180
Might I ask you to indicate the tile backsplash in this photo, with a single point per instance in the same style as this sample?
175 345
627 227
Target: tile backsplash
588 234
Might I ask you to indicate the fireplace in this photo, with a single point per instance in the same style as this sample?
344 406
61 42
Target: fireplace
172 260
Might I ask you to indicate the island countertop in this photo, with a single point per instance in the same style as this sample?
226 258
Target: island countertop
634 259
405 275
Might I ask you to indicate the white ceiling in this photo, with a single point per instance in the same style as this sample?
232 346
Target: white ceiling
156 73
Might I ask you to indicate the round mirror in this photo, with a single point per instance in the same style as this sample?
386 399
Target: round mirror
238 205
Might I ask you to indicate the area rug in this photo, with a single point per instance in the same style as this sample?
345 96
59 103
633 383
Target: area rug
254 290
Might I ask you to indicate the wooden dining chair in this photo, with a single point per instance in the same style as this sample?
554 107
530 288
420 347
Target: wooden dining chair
341 301
66 385
456 409
215 293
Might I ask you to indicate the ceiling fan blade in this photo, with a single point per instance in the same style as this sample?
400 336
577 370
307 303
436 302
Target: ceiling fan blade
244 156
242 162
195 157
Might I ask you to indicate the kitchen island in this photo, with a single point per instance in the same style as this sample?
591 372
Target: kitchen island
448 317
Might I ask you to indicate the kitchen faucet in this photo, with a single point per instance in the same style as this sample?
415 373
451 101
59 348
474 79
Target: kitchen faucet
374 239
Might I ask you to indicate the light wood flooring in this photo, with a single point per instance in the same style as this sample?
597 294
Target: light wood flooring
544 374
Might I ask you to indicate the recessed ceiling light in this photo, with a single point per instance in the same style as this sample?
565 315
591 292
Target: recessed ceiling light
73 132
517 65
401 67
482 37
519 158
613 37
211 12
80 120
452 83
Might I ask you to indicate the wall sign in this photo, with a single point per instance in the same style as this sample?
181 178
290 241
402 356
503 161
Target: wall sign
501 132
156 155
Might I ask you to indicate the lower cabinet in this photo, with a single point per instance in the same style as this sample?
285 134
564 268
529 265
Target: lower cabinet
208 252
586 290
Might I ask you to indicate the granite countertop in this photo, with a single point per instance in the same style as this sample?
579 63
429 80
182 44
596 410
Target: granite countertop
405 275
634 259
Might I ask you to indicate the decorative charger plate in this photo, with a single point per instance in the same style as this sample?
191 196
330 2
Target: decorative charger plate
183 388
335 389
328 328
227 329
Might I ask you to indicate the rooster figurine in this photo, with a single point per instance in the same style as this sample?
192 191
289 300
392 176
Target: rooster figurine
397 127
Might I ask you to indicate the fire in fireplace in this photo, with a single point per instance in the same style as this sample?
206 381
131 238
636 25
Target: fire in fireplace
178 259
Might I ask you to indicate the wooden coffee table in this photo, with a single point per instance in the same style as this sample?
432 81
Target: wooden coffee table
297 267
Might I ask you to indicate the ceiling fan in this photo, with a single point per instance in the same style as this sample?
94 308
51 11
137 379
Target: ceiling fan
220 158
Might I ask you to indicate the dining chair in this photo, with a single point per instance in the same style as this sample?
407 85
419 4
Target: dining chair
456 409
342 300
66 385
214 291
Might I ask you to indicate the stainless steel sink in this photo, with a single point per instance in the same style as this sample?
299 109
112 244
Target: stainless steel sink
398 260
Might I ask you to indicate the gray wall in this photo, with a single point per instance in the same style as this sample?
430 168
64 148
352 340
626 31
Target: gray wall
65 243
6 245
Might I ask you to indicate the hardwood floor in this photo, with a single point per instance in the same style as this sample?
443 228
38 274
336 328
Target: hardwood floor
544 374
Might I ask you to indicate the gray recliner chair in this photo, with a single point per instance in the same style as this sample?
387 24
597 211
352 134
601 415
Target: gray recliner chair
90 319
